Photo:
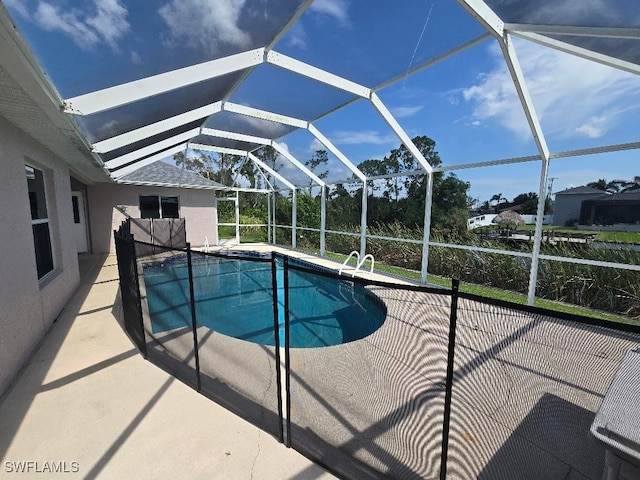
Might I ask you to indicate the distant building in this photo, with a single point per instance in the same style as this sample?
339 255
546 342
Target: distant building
568 204
487 219
612 209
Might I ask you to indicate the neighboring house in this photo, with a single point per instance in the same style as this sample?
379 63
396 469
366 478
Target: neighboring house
158 190
568 204
618 209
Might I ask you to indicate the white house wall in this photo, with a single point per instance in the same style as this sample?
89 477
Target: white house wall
196 206
29 307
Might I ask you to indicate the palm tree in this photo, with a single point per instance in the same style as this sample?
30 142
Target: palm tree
632 185
498 198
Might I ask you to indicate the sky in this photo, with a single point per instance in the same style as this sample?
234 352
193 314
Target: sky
466 103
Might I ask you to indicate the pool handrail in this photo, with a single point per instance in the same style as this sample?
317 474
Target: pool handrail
361 263
344 264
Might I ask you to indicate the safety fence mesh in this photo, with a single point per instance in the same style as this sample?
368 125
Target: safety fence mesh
371 407
166 307
129 290
526 388
236 334
373 379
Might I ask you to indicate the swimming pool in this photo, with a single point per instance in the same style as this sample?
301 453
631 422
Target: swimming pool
234 297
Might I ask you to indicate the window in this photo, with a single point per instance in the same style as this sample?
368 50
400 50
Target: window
152 206
76 209
39 220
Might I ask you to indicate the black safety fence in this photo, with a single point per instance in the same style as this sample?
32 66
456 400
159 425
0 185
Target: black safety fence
374 379
164 232
129 289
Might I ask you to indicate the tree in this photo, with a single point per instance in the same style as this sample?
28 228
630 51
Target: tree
631 185
319 158
221 170
269 156
616 186
449 196
528 202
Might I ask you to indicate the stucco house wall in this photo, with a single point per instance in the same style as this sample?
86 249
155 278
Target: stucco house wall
568 203
197 206
29 306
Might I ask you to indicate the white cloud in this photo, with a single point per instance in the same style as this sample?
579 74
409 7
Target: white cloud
370 137
18 6
404 112
297 36
336 9
593 128
572 96
135 57
205 23
322 10
572 12
316 145
108 23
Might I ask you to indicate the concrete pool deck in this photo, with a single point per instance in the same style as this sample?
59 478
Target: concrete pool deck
87 405
526 390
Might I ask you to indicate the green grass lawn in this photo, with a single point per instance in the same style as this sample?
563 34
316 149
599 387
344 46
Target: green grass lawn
490 292
601 236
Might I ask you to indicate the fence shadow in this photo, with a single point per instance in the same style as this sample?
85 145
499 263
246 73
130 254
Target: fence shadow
552 441
380 406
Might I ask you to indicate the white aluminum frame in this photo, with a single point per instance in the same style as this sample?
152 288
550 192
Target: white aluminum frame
247 61
130 92
147 161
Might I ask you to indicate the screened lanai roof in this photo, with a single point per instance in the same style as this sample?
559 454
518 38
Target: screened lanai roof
139 83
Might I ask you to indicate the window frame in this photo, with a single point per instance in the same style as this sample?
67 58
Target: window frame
46 220
159 199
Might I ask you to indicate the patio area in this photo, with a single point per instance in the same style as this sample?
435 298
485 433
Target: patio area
526 389
87 405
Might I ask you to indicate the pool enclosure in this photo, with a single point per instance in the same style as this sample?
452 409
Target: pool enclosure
431 110
529 98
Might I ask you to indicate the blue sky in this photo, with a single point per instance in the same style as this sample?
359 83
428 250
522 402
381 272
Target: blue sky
466 103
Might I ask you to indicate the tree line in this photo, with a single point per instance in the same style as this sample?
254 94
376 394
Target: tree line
398 198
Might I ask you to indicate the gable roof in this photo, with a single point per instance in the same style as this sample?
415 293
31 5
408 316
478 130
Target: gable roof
582 191
629 196
163 174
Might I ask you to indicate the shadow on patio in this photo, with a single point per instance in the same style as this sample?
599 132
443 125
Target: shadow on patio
88 404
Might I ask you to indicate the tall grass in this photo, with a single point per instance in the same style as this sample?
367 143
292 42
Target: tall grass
601 288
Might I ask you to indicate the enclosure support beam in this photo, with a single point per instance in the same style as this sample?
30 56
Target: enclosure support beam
363 221
323 218
537 241
271 171
294 218
428 201
400 133
147 161
269 217
273 220
125 93
339 155
151 149
156 128
282 151
506 44
580 52
236 213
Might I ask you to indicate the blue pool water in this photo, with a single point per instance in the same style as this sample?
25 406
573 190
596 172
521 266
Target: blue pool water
234 297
